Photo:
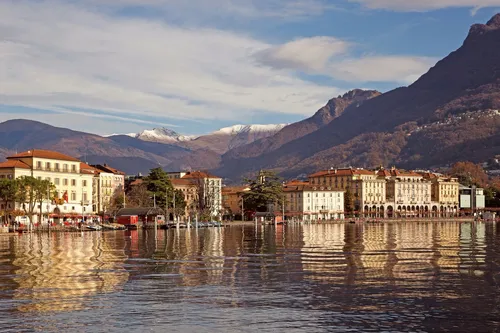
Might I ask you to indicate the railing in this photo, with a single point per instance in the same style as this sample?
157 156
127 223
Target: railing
56 169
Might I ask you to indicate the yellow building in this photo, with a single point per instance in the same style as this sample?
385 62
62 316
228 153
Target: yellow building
367 188
444 193
71 178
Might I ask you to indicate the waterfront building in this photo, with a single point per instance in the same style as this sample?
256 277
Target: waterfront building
209 190
313 202
408 194
106 182
472 199
190 193
444 194
367 189
72 180
232 199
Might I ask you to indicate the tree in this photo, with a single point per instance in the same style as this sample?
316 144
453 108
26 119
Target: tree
265 189
26 195
44 190
8 193
159 186
348 202
470 174
180 203
117 200
139 196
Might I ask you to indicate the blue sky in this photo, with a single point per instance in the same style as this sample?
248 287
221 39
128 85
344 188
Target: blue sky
120 66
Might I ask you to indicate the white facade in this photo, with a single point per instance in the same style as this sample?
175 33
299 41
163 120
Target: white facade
314 203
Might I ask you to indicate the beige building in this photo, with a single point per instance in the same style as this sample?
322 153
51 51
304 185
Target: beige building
208 187
71 178
444 194
408 193
232 199
367 189
107 181
190 193
313 202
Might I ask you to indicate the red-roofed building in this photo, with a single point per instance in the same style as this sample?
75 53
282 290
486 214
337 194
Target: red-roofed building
71 178
232 200
367 189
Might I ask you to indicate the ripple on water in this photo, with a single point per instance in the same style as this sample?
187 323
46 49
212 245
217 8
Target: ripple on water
400 277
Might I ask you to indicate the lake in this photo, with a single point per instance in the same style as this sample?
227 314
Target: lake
394 277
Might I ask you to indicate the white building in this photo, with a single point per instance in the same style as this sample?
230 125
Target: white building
471 198
313 202
71 178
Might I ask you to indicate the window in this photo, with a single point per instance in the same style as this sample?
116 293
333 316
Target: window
65 181
47 165
84 196
84 183
39 165
73 168
65 167
56 181
73 182
73 196
56 167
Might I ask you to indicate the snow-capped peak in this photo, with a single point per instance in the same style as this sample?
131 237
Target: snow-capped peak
163 135
237 129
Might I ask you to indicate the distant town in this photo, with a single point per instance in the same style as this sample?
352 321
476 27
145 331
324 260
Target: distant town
77 192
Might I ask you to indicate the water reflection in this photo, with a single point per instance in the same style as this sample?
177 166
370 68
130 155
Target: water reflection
417 276
56 272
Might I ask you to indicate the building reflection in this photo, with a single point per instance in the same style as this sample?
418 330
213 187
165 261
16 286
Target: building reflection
56 272
323 251
407 255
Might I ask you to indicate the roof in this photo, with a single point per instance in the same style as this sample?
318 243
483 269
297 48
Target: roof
296 183
234 189
199 175
48 154
136 182
141 211
85 168
108 169
342 172
181 182
14 164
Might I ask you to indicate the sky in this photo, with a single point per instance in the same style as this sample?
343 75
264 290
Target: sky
194 66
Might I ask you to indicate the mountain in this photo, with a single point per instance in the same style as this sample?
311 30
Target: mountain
135 155
445 116
163 135
218 142
333 109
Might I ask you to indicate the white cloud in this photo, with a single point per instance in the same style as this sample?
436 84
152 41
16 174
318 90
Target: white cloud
308 54
79 59
403 69
426 5
226 8
60 55
329 56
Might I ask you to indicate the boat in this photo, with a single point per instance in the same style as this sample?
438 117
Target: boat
94 227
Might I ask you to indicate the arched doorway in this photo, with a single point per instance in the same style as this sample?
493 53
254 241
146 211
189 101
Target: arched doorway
390 212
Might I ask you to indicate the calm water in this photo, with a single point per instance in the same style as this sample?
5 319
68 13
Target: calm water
301 278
